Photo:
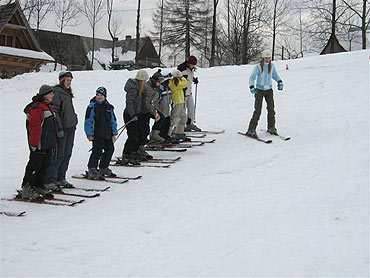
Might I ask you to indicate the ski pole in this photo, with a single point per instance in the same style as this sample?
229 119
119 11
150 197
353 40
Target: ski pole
123 128
196 96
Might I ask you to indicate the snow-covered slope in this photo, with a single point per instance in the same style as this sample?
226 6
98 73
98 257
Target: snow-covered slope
237 207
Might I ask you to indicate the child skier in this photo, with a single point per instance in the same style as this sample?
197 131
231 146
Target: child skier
42 133
264 71
178 113
101 129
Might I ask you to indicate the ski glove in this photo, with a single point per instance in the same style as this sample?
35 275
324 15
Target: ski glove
280 85
253 90
134 118
157 116
195 80
60 133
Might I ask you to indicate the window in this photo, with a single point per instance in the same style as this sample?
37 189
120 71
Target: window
2 40
9 41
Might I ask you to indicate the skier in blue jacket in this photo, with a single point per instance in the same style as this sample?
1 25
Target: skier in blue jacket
264 72
101 129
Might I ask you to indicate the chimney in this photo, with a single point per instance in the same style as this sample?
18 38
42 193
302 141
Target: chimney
128 38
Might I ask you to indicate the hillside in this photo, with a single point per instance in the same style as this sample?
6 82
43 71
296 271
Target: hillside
237 207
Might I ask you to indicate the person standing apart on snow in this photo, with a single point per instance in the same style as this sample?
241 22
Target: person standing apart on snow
101 129
134 89
187 69
64 109
178 113
262 89
42 130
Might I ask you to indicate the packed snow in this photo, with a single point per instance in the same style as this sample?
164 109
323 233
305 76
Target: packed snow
41 55
236 207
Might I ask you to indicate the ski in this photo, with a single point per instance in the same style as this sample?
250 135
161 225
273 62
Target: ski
66 200
208 131
88 189
256 138
284 138
40 202
200 135
10 213
153 159
125 178
142 165
76 195
204 142
184 145
84 177
165 149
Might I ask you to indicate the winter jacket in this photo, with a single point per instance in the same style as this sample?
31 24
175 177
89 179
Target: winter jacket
133 98
163 96
177 93
263 78
147 98
62 103
41 124
188 74
100 121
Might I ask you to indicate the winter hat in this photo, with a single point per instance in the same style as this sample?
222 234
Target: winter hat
192 60
44 90
177 73
266 53
101 90
142 75
157 76
64 74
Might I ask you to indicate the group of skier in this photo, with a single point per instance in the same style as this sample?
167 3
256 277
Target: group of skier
165 97
51 124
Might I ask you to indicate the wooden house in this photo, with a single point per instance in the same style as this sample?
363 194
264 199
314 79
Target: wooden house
19 49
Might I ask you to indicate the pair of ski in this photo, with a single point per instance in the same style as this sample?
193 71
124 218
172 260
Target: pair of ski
191 133
47 201
264 140
110 179
118 163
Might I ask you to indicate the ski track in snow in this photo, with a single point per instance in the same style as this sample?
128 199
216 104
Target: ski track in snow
236 207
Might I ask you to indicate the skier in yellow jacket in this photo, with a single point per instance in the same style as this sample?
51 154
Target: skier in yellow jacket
178 113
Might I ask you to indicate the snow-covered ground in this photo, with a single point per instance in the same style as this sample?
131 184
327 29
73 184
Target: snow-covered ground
237 207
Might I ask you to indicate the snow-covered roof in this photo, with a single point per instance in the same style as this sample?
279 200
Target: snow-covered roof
25 53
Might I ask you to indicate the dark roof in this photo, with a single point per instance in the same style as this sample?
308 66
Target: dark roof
6 12
333 46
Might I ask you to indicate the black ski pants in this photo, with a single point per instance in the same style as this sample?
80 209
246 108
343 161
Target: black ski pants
37 166
268 95
102 151
132 142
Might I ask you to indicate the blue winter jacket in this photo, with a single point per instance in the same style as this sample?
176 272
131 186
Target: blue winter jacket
263 78
100 120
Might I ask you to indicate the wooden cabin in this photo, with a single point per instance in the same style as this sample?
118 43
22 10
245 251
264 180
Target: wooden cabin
19 49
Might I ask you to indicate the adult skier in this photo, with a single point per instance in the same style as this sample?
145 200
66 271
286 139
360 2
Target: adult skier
264 72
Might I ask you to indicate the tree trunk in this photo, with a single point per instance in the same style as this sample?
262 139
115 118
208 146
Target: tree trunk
333 20
137 32
161 32
363 25
274 30
213 46
187 40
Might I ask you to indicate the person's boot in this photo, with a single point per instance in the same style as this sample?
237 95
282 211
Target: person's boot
272 130
142 153
65 184
43 192
252 133
28 193
106 172
93 174
193 127
129 159
156 138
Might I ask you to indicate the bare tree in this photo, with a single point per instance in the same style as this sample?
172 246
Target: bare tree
159 26
137 32
362 11
114 25
36 10
27 8
66 12
213 41
93 11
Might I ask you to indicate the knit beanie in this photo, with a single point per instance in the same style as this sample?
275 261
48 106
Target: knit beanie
176 73
63 75
142 75
102 90
192 60
266 53
44 90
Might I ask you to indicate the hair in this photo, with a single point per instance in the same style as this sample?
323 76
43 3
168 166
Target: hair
141 86
261 64
176 80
